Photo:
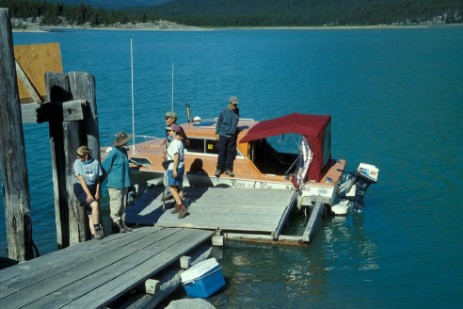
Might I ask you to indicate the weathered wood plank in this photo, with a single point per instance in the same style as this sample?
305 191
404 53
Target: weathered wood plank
169 282
61 265
73 110
58 261
16 200
27 289
57 90
29 112
82 86
106 293
232 209
314 221
284 218
223 208
31 91
107 283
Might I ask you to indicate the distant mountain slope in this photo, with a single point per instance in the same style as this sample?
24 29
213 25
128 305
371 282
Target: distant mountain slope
112 4
309 12
242 13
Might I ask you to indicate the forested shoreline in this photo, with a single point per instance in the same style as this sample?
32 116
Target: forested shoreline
244 13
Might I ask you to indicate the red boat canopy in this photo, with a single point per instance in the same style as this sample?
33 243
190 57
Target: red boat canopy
316 128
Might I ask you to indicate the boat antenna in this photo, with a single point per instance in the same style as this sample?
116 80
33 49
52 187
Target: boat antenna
172 103
133 101
187 106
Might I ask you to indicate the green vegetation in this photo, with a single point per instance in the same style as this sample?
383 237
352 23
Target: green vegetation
310 12
246 13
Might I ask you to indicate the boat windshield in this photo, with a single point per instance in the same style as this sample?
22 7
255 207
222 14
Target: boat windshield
276 155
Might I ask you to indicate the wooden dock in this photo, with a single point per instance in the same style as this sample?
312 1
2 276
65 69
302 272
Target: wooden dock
242 213
96 273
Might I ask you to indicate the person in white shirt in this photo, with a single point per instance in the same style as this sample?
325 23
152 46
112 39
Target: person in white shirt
176 169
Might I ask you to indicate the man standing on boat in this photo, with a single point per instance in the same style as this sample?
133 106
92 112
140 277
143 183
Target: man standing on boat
226 129
171 118
117 170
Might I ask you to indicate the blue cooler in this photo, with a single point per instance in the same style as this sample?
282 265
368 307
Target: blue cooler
203 279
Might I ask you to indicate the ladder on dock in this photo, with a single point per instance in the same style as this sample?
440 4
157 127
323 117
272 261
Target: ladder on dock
96 273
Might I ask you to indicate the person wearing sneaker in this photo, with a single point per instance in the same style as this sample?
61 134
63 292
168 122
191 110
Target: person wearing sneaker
176 169
171 118
117 171
226 130
87 188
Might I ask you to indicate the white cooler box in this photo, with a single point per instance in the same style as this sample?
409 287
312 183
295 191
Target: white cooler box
203 279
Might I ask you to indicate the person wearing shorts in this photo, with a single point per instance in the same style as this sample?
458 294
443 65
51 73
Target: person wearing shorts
176 170
87 188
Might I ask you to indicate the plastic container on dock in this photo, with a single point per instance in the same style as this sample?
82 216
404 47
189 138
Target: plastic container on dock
203 279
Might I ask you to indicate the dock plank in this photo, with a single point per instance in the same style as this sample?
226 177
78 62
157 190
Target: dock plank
57 260
144 270
220 208
111 266
58 265
232 209
34 286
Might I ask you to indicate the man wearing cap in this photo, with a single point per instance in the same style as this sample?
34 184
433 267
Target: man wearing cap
171 118
117 170
176 169
226 130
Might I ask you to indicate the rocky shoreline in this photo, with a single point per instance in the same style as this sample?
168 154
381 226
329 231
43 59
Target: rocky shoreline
34 25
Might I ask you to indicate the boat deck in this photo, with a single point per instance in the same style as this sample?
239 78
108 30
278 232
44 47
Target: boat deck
213 208
95 273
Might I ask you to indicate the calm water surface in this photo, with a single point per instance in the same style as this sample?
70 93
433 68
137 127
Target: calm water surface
397 102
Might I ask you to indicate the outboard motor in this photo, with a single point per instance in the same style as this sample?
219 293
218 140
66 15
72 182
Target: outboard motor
365 175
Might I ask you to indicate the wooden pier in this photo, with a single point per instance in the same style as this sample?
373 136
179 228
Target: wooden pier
255 215
96 273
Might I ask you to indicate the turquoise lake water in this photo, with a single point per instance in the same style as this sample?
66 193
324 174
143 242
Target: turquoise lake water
396 99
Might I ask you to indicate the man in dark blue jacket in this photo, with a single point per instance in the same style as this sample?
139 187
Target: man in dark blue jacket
226 130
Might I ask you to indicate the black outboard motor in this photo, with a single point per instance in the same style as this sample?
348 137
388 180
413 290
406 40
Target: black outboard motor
365 175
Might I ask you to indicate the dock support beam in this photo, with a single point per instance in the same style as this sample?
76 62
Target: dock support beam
16 199
314 221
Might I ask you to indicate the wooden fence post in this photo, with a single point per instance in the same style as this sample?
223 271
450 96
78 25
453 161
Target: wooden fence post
16 198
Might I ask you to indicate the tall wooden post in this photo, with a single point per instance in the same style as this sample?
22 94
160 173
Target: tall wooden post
82 86
16 198
57 91
72 124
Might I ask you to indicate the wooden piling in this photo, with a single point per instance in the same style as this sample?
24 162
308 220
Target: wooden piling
73 119
16 198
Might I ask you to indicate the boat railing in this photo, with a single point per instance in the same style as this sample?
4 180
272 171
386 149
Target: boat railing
142 138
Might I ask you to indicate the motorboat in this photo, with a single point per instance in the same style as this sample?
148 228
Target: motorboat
291 152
